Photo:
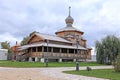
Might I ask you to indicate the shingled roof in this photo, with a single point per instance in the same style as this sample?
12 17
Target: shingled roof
69 29
50 45
52 37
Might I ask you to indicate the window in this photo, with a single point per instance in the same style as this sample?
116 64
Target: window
45 49
49 49
77 36
76 51
56 50
39 49
64 50
71 50
29 50
34 49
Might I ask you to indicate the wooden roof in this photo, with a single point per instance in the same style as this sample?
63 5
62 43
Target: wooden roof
50 45
49 37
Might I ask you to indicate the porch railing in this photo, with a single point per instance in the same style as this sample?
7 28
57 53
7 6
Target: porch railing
63 55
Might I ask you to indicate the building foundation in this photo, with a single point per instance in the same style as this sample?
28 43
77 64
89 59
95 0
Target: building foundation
30 59
74 60
42 60
60 60
36 59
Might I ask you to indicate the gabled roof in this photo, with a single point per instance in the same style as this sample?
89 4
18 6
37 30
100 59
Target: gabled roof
51 37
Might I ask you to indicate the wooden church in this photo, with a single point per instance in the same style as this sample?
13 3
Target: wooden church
67 45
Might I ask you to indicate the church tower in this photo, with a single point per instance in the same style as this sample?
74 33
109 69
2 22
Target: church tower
69 32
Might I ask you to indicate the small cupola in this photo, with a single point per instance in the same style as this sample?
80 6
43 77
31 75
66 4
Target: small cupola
69 19
69 28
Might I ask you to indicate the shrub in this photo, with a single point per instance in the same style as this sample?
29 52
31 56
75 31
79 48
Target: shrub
116 63
88 68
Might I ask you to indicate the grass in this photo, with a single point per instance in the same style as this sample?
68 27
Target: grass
39 64
99 73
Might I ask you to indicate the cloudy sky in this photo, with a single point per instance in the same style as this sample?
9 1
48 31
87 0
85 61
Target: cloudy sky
97 18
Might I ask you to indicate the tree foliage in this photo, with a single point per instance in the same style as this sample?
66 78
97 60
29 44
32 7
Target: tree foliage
107 49
24 41
116 63
6 45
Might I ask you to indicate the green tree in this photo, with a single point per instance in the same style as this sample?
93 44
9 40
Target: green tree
6 45
107 49
116 63
24 41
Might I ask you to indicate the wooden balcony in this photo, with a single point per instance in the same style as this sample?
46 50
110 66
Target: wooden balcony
63 55
35 54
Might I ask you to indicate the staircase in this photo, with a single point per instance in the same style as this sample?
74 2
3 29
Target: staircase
23 57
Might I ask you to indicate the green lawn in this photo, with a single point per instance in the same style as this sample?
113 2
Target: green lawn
39 64
101 73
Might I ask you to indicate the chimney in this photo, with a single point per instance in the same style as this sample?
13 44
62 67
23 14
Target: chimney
16 43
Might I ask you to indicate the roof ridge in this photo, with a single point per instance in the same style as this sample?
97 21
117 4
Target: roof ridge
47 34
52 37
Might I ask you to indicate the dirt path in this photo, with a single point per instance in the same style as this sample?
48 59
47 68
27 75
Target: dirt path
44 73
23 74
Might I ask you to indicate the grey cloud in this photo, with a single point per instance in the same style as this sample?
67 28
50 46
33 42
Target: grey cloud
21 17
